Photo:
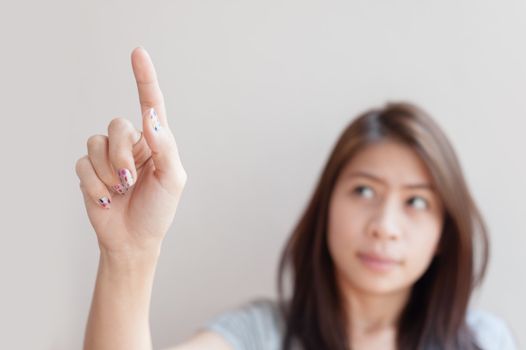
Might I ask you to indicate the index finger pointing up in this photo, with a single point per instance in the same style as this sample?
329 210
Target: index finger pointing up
150 94
155 126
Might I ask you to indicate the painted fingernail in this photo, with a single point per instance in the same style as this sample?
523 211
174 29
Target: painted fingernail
104 202
156 125
126 177
120 188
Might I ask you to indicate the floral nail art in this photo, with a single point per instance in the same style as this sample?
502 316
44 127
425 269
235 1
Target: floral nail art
120 189
156 125
104 202
126 177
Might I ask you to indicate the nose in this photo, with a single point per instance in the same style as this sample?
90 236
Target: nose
385 223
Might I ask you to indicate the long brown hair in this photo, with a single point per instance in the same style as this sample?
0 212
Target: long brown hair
435 315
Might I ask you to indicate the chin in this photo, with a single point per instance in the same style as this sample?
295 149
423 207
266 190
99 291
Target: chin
377 284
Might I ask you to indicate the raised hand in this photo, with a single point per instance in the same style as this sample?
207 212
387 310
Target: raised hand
132 183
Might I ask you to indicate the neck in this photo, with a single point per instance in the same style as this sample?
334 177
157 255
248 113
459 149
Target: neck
369 313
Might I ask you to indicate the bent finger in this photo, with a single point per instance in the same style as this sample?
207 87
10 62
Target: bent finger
122 136
98 153
93 189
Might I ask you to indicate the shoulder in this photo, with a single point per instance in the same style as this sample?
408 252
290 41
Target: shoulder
253 325
491 331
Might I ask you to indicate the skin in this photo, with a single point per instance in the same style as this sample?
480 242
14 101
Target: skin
130 230
379 214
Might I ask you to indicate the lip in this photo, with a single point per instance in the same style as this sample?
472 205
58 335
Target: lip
377 262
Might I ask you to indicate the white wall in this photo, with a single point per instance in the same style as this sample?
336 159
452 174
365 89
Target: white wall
257 92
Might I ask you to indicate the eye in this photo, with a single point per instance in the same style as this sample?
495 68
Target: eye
364 191
421 202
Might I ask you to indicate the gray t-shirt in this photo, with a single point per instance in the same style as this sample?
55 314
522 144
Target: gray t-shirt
257 325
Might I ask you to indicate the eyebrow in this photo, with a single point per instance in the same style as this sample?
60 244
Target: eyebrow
425 186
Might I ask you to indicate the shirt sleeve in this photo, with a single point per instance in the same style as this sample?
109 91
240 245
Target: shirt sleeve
250 326
492 332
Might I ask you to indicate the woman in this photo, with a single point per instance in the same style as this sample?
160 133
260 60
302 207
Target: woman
383 257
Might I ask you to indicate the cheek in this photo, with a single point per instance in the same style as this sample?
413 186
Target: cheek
345 227
422 247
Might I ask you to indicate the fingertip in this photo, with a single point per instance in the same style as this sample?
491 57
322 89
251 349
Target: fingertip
120 189
140 54
137 49
126 177
151 128
155 124
104 202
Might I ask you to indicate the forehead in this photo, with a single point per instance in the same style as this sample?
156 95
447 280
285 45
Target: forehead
394 162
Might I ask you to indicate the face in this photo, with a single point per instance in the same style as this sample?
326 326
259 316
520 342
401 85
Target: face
385 220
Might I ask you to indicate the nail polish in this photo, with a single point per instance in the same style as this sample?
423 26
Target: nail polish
126 177
154 119
120 188
104 202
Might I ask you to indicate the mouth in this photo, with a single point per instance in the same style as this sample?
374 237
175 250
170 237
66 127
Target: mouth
378 263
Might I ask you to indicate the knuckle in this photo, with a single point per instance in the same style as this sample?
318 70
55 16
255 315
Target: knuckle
152 102
80 165
155 98
119 123
182 178
119 155
95 141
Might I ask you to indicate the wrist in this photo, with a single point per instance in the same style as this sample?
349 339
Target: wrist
129 262
130 252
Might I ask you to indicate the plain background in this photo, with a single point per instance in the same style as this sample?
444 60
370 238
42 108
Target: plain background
257 93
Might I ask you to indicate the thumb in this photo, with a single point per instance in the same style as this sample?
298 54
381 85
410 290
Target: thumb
162 143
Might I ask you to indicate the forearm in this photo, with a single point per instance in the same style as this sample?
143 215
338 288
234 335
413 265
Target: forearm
119 314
